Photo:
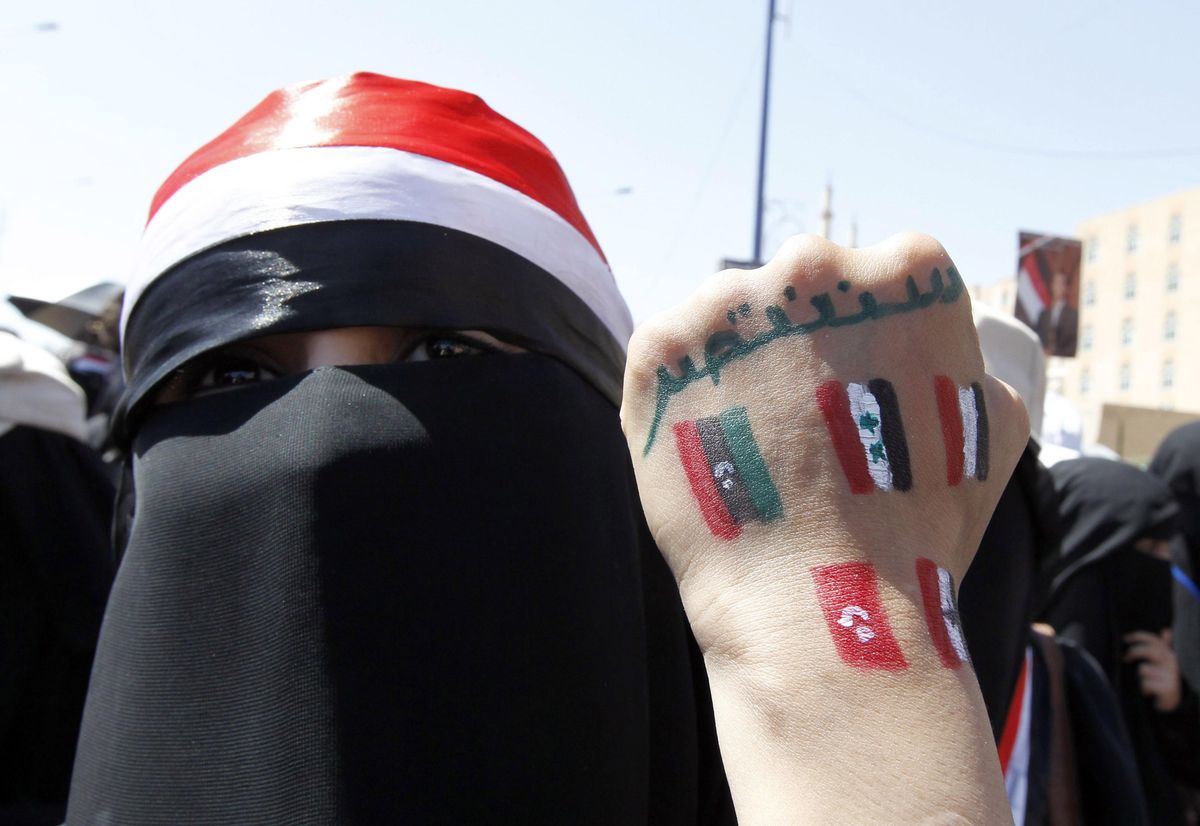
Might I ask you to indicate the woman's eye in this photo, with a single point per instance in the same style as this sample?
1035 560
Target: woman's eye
232 371
447 346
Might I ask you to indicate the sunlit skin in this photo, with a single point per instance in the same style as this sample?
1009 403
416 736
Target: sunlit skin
1060 287
1157 548
286 354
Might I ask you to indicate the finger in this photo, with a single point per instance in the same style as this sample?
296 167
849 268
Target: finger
1141 636
1168 637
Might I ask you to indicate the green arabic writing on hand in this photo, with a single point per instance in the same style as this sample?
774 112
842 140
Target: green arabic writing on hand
725 346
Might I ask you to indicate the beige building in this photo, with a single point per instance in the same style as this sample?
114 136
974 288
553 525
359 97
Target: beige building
1139 314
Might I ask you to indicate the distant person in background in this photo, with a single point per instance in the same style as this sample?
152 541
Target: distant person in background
55 570
1177 463
1058 324
1110 593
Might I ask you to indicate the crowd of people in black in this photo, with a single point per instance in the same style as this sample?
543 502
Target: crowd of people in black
330 518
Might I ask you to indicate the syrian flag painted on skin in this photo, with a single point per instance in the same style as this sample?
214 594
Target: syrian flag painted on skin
868 434
964 429
726 472
849 597
941 613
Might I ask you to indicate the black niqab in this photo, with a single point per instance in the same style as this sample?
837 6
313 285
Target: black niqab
1101 589
1177 463
395 594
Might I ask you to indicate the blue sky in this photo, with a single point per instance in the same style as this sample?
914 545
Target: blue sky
967 121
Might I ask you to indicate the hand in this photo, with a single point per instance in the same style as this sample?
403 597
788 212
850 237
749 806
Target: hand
813 441
1158 671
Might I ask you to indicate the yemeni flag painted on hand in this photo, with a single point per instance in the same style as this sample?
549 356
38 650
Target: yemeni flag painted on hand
726 472
964 429
941 613
849 598
868 434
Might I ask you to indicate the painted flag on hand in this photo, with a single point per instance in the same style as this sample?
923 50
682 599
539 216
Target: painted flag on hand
964 429
941 613
726 472
868 434
849 598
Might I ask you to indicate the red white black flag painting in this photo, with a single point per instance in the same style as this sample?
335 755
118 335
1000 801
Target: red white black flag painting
963 415
864 423
941 613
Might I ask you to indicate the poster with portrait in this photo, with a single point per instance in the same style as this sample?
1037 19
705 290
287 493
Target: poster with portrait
1048 290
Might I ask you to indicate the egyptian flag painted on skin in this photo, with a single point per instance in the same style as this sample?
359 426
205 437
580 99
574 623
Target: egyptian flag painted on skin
849 597
868 434
366 200
941 613
726 472
964 429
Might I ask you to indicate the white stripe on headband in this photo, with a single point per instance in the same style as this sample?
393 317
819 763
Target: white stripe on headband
290 187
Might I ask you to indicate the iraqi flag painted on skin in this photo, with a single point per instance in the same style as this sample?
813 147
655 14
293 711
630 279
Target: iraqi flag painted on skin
941 613
849 597
963 415
864 423
726 472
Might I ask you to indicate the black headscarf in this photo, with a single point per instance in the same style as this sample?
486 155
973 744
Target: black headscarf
1177 463
1101 588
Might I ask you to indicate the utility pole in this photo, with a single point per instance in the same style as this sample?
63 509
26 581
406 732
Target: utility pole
760 199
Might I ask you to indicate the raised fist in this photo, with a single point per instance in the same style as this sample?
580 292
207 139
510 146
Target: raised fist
818 452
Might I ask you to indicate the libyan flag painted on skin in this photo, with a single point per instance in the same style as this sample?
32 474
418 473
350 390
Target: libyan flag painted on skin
726 472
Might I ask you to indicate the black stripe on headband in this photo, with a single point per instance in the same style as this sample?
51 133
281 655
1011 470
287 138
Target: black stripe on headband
357 273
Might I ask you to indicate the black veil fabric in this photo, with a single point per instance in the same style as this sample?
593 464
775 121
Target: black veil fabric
1101 588
416 593
999 592
1177 463
55 571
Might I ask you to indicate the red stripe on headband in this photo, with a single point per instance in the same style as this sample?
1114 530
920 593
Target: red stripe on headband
366 109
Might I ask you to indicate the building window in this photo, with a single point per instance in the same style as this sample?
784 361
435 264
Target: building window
1093 248
1169 326
1125 377
1172 278
1085 340
1085 381
1168 374
1089 293
1130 284
1175 232
1131 239
1127 332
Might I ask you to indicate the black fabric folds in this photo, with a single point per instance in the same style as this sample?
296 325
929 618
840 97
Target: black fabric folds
55 572
417 593
999 592
357 273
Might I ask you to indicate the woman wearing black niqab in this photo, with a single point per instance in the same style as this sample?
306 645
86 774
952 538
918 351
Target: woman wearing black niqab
1102 588
1177 463
419 591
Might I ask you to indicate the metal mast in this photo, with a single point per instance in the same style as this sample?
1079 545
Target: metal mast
760 200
